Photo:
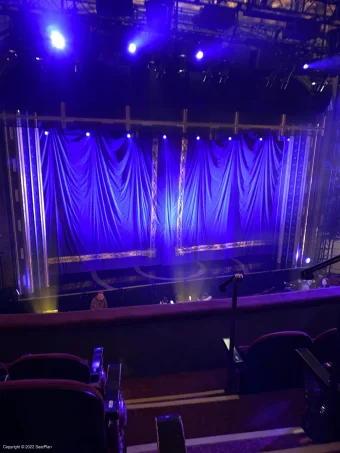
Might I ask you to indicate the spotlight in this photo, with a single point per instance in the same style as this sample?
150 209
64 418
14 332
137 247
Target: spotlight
164 137
198 137
88 134
229 138
307 260
128 135
199 55
57 39
46 132
288 139
313 83
132 47
261 139
305 66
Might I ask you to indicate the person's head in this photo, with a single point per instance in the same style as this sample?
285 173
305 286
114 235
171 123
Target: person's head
165 300
100 295
325 282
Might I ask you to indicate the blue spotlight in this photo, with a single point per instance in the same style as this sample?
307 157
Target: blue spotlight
132 47
198 137
307 260
305 66
229 138
199 55
261 139
164 137
88 134
128 135
46 132
57 39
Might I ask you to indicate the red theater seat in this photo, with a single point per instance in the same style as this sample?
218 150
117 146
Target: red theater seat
66 415
324 346
271 362
50 366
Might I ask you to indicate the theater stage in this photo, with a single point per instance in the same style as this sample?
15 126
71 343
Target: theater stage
189 333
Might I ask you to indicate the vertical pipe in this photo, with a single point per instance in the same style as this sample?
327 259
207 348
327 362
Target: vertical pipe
309 196
41 205
155 144
185 121
14 224
63 114
283 124
236 122
128 118
184 150
23 185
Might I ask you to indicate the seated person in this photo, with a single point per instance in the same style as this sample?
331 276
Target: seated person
165 301
99 301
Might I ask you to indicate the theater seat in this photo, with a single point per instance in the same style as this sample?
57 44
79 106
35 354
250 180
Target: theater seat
50 366
324 346
271 363
67 415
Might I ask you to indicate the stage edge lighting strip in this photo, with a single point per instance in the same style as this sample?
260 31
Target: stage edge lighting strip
216 247
151 252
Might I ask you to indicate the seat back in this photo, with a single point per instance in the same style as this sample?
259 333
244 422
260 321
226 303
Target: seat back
324 346
50 366
67 415
272 362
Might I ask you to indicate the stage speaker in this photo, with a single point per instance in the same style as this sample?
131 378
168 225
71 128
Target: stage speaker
114 8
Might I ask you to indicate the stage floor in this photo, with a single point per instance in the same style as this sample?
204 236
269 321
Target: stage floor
157 275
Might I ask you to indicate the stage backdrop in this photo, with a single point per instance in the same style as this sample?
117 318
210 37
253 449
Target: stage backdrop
113 202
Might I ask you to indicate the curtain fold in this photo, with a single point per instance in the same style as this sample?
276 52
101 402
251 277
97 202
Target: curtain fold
98 195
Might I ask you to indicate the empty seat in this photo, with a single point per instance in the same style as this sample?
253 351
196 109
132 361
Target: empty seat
271 363
324 346
66 415
50 366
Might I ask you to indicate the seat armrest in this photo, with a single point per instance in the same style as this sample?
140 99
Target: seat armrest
97 365
314 366
170 434
237 358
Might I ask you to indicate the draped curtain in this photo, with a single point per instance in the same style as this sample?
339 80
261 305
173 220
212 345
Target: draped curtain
102 210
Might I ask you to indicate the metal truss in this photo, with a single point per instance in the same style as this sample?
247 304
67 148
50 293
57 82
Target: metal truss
256 21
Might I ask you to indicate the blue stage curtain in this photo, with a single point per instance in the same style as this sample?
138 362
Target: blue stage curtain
103 209
97 196
229 191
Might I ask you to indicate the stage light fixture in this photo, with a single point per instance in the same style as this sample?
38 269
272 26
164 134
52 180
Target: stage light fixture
132 47
261 139
57 39
229 138
307 260
313 83
46 132
128 135
88 134
305 66
164 137
199 55
198 137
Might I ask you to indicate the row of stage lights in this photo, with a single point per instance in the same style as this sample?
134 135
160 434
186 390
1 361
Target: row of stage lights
128 135
132 49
